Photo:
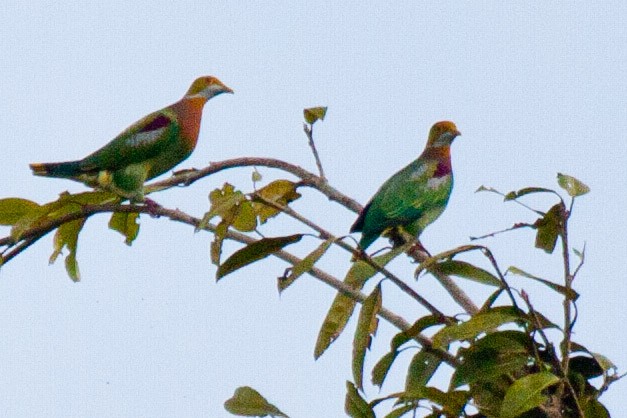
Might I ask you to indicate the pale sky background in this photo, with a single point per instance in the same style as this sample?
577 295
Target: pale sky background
536 89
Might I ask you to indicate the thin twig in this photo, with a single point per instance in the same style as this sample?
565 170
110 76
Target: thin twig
309 132
495 233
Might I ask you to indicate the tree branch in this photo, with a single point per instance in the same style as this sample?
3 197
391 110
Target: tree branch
40 230
187 177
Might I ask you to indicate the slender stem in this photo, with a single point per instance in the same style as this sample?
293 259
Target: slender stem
568 281
309 132
568 320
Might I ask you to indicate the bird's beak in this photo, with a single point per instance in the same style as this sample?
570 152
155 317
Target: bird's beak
228 90
457 133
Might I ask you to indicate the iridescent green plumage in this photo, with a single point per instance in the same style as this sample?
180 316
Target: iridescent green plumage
416 195
151 146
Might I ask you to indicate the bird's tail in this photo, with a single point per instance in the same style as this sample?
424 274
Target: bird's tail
65 169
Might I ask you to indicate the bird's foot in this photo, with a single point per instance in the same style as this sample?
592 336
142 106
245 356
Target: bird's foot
418 252
359 254
152 206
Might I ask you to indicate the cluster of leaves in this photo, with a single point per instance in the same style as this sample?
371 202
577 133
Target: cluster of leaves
503 362
245 213
29 221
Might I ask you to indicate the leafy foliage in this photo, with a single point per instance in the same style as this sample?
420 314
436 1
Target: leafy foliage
499 358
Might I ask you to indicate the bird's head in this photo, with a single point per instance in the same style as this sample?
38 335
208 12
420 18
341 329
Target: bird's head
442 134
207 87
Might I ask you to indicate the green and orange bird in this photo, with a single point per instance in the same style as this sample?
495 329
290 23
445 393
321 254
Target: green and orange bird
415 196
149 147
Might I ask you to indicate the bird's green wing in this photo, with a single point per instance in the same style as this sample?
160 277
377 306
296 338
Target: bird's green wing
412 198
141 141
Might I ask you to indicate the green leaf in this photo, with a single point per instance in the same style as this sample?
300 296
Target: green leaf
223 200
422 367
595 409
12 209
381 369
494 355
219 234
468 271
313 114
402 410
366 328
355 406
342 307
488 189
234 210
256 177
569 293
479 323
413 331
491 299
232 206
572 186
89 198
245 218
526 393
247 402
304 265
525 191
126 224
66 204
279 192
549 227
256 251
67 236
452 402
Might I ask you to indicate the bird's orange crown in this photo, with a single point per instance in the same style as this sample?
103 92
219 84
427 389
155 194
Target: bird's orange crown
207 86
442 133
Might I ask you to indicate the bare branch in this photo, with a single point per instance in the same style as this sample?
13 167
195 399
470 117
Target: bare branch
187 177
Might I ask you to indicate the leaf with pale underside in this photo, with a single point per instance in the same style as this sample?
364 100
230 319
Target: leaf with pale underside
572 186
